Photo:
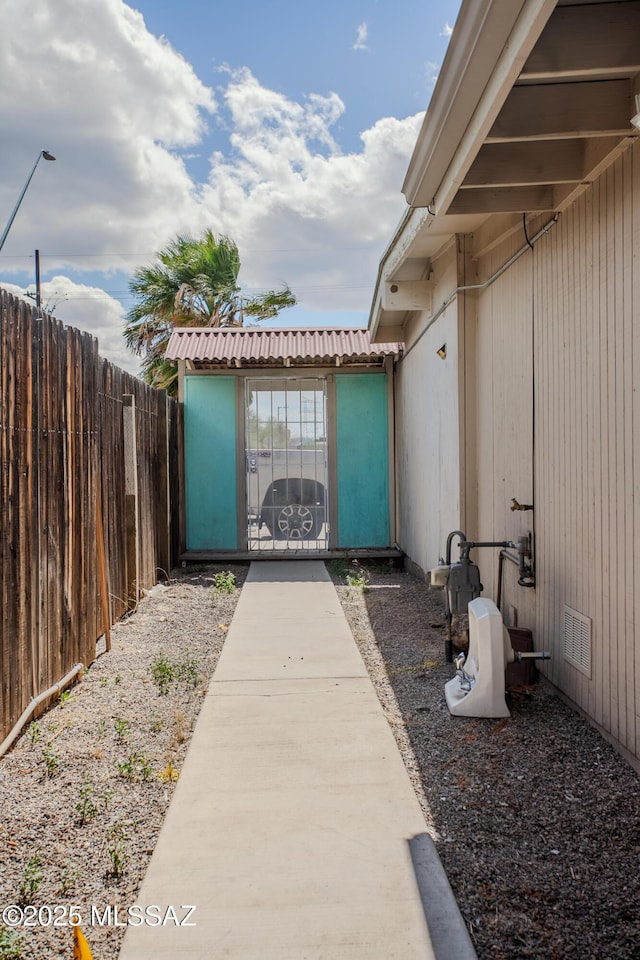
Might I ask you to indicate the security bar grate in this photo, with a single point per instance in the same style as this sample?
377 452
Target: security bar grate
286 463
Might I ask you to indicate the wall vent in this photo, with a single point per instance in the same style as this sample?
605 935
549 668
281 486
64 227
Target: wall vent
577 640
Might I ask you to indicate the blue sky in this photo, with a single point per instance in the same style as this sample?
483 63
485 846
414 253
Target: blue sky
295 48
286 125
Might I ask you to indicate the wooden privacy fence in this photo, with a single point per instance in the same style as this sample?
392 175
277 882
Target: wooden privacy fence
90 457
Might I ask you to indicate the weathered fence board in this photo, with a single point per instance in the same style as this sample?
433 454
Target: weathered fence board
62 462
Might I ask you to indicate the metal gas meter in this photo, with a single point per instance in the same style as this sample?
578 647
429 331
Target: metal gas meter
461 580
463 585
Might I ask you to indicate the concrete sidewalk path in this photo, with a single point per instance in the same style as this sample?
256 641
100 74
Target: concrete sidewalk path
294 829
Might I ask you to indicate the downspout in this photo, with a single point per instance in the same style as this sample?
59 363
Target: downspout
466 288
35 702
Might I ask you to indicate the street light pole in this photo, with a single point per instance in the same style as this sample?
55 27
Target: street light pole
38 291
47 156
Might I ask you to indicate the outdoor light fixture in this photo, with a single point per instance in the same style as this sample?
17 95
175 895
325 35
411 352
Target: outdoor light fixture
636 120
442 352
47 156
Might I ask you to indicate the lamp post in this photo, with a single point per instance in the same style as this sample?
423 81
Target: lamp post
47 156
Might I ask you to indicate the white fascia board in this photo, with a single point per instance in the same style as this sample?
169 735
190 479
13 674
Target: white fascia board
487 51
408 229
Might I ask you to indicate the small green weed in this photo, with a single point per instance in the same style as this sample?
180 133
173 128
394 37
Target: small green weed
32 876
10 944
117 679
51 759
357 579
64 698
121 728
127 768
34 734
146 770
187 673
69 878
224 582
118 849
165 672
104 681
156 725
135 767
86 805
162 671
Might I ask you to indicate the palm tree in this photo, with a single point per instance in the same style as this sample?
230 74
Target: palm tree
193 284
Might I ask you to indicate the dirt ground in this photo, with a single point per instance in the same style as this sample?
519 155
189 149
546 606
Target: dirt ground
536 818
84 791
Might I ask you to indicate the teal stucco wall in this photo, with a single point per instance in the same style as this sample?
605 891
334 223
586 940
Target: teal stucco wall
210 463
362 452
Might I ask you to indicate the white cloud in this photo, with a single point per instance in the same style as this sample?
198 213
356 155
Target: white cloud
447 30
431 71
295 203
86 308
120 109
114 104
362 37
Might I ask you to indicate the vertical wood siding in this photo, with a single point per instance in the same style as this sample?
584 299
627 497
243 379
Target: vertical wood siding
588 481
61 455
427 441
580 290
502 406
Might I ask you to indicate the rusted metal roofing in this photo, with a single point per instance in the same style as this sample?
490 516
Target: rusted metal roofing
235 346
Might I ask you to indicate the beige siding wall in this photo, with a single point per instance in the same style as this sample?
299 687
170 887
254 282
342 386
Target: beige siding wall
500 416
428 450
588 481
572 304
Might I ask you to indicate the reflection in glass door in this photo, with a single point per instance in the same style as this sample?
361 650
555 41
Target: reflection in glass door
286 463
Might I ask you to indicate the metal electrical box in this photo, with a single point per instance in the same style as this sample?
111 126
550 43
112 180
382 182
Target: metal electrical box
463 586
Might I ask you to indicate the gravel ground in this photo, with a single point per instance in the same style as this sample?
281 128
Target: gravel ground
536 818
84 791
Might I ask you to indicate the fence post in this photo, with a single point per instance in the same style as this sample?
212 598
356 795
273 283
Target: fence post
131 501
103 574
164 487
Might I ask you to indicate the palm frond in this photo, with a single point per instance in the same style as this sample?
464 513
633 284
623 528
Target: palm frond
194 282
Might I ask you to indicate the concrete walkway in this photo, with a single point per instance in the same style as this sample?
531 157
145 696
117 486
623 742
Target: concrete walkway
294 829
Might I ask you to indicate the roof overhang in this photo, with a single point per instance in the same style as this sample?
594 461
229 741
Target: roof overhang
534 100
276 347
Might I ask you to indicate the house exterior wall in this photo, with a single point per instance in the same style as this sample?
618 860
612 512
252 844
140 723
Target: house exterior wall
588 443
539 400
428 459
500 435
558 346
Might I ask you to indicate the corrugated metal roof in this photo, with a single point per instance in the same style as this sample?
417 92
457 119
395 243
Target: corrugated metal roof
277 345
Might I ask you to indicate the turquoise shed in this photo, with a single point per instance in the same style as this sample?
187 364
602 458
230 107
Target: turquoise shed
288 441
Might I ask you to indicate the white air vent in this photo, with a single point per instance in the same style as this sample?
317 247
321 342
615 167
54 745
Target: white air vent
577 640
